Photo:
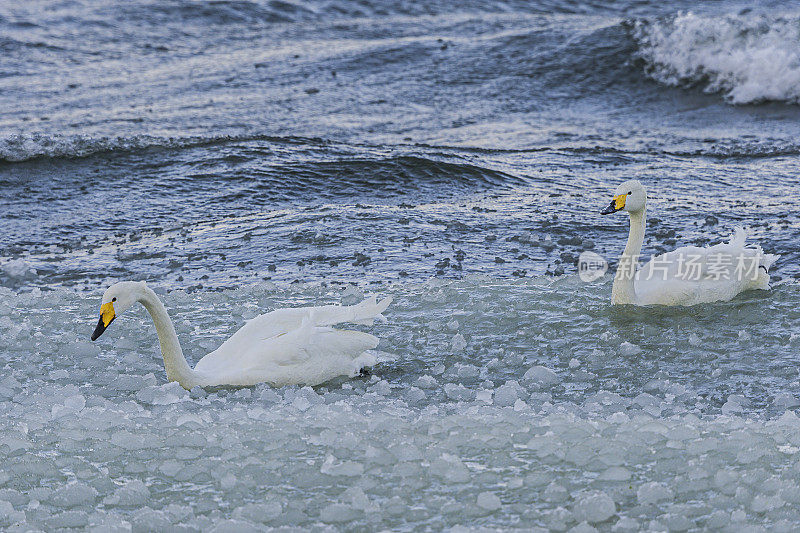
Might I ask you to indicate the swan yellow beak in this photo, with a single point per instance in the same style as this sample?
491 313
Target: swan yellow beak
617 203
107 316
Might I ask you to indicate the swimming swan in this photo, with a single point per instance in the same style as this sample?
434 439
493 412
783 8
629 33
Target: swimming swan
688 275
284 347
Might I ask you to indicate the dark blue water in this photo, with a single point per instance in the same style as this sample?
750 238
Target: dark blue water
178 141
246 155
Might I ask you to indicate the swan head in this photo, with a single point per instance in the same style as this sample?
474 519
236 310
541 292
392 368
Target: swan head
116 300
629 196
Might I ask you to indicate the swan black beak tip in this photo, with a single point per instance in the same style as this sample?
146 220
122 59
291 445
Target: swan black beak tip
612 208
99 329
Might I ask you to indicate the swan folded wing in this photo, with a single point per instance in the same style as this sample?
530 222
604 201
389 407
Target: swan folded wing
249 351
285 320
364 313
692 275
322 344
724 262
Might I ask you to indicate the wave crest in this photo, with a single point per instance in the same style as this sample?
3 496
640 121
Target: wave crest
748 58
23 147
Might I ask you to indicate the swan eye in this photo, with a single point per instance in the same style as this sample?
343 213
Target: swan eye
630 192
114 299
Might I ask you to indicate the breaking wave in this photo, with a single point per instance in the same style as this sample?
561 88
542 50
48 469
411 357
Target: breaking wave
748 58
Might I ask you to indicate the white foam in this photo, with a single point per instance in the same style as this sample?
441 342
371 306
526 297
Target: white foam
748 58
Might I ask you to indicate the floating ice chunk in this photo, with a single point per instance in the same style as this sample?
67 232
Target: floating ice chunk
540 376
450 468
59 374
515 483
148 519
228 481
17 268
489 501
242 394
785 400
629 349
345 468
414 395
506 395
615 473
626 525
259 512
300 403
133 494
466 371
678 522
81 350
766 502
13 441
484 396
269 396
73 494
653 492
594 507
694 340
583 527
457 391
189 419
68 519
744 336
359 499
649 403
559 519
382 388
458 343
72 405
166 394
9 516
738 515
787 419
426 382
736 404
171 467
555 493
337 513
574 363
234 526
128 440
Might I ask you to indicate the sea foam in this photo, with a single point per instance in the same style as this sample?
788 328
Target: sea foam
748 58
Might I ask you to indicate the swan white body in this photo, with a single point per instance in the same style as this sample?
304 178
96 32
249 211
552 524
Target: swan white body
285 347
686 276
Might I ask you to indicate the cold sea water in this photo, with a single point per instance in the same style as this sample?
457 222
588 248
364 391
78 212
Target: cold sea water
243 156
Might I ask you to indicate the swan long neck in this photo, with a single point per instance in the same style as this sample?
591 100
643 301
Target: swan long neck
174 362
623 291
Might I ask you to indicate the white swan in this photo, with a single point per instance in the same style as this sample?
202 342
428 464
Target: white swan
688 275
285 347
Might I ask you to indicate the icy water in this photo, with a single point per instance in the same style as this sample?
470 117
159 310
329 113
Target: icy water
245 156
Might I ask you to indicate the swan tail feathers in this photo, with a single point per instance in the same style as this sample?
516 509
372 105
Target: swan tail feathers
346 342
767 260
370 310
739 237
